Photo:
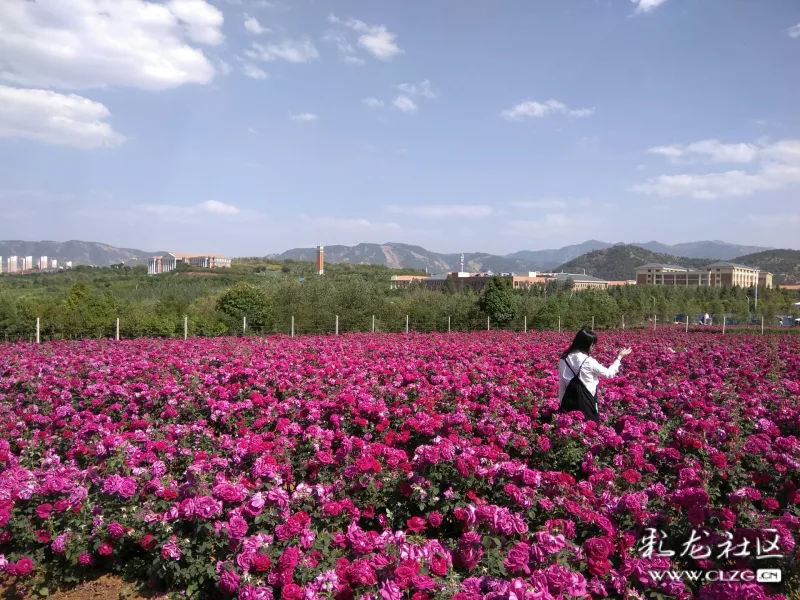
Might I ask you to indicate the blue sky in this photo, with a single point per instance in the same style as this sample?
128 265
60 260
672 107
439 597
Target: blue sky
246 127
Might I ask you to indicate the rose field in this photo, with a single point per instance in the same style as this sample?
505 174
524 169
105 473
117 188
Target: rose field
399 466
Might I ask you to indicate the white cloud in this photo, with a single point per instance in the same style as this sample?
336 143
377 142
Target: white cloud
305 117
373 102
795 31
354 60
539 110
777 166
218 208
646 6
375 39
76 44
442 210
55 119
715 150
545 204
423 88
251 130
294 51
405 104
327 224
253 72
214 207
201 21
252 25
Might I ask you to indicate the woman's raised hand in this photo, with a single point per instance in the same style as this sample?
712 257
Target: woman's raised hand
623 353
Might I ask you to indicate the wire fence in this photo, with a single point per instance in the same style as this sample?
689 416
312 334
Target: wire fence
39 331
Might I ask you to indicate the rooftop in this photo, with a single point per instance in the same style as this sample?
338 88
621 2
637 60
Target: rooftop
663 266
725 263
575 277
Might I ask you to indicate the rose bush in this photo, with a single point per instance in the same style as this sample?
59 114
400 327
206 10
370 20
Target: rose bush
397 466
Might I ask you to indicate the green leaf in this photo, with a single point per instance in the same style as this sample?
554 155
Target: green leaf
44 591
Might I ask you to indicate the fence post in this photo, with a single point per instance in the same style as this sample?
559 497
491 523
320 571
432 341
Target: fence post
448 323
724 318
559 323
337 324
373 323
762 324
244 325
525 324
37 330
623 322
117 336
292 325
185 326
488 327
655 321
687 323
406 323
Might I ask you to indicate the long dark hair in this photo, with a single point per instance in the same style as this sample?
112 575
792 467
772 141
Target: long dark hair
583 342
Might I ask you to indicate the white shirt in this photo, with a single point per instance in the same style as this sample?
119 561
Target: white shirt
590 373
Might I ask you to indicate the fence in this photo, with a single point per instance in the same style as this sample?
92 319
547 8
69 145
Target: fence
38 331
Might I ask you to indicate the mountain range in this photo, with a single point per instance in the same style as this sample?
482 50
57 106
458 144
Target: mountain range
396 255
601 259
80 253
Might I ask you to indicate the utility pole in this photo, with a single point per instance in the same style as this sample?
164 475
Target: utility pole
559 323
687 323
244 325
623 322
525 324
406 323
117 335
337 324
38 340
762 324
292 325
373 323
724 318
448 324
185 326
487 324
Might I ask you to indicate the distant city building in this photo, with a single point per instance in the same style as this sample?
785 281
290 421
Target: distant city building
170 261
400 282
1 264
717 274
43 263
27 263
477 281
621 282
54 264
12 265
320 266
68 264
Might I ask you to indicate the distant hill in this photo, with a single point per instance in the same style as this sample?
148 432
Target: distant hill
714 249
80 253
620 262
783 264
396 255
547 259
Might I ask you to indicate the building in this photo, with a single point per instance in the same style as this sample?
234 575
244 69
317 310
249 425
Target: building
728 273
170 261
1 264
791 286
477 281
621 282
42 263
400 282
579 282
54 264
27 263
69 264
714 275
12 265
320 265
661 274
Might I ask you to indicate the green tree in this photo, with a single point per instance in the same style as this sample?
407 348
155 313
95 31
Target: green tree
246 300
497 301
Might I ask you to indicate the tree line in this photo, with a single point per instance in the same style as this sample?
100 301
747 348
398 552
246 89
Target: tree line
86 302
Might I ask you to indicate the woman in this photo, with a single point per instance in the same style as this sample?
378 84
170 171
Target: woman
579 374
